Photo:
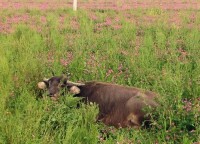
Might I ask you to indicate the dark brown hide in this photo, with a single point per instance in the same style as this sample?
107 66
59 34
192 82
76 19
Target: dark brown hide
119 106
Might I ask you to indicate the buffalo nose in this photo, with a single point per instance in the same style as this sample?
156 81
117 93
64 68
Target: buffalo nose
51 94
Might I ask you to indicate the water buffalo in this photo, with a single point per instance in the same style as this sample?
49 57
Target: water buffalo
119 106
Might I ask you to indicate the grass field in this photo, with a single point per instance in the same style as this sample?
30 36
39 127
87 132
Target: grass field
154 49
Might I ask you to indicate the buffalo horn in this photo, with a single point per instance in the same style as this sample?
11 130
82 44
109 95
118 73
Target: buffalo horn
75 84
45 79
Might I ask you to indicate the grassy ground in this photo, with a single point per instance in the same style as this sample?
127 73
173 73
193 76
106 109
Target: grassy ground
152 49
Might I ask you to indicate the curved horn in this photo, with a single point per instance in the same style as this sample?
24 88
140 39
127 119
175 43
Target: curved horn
45 79
75 84
63 77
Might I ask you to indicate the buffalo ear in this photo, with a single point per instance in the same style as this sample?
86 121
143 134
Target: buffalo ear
42 85
74 90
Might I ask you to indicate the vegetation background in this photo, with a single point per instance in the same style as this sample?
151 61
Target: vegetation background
154 48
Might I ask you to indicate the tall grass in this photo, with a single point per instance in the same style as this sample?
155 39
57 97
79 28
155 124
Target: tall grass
158 56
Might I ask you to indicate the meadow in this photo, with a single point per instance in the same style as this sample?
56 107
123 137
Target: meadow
153 48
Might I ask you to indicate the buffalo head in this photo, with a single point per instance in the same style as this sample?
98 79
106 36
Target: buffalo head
57 84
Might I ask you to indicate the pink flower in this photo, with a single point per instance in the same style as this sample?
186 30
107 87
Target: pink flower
117 19
74 23
108 22
62 19
17 5
187 105
43 6
93 17
43 19
116 27
109 72
64 62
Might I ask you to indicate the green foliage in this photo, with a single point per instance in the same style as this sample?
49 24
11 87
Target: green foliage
159 57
